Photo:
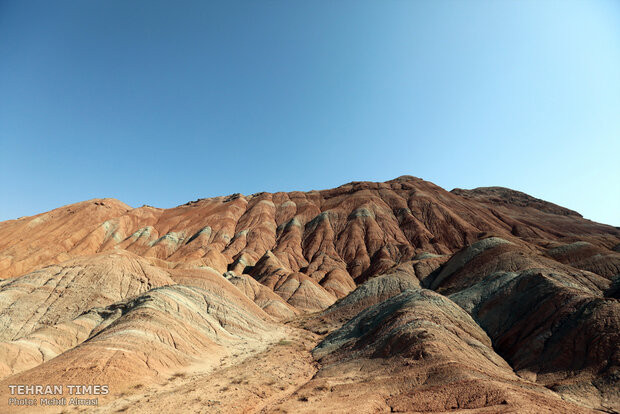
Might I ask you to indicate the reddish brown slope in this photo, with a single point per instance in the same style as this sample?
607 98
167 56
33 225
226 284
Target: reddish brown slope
29 243
539 282
538 220
356 230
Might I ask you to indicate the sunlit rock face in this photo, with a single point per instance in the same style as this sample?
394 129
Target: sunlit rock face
397 296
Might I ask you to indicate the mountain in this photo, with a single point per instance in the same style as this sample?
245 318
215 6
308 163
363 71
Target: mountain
370 297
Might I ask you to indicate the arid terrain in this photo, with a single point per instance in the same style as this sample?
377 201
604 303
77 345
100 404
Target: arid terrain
367 298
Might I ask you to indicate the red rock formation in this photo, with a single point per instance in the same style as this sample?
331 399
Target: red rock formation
527 286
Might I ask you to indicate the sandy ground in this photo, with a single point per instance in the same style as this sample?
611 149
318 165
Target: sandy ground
250 381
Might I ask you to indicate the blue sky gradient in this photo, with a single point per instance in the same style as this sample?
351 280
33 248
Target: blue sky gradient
162 102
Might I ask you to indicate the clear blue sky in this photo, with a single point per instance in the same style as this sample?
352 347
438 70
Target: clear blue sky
162 102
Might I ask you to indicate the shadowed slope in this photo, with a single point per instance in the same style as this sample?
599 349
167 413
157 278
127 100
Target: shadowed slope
416 352
550 321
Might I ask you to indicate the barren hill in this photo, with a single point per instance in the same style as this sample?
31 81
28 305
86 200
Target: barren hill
370 297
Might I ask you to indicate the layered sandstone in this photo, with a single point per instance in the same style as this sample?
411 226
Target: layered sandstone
370 297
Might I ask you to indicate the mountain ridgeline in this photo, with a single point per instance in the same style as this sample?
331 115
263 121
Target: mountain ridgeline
370 297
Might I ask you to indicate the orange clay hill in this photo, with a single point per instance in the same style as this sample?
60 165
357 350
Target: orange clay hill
367 298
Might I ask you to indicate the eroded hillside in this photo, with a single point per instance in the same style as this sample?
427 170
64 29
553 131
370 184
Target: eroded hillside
370 297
